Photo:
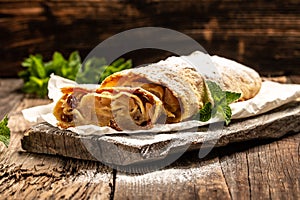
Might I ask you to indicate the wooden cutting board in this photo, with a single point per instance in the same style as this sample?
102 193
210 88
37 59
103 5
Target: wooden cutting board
124 149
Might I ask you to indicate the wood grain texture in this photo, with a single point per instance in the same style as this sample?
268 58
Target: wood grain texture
32 176
260 34
9 96
252 170
267 169
185 179
126 149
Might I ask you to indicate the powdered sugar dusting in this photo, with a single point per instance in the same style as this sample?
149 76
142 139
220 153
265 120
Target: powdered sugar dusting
264 101
180 174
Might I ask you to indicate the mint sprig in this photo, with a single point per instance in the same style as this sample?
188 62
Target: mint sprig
221 100
4 131
37 72
95 70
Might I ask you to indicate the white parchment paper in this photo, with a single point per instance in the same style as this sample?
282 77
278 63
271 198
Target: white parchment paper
271 96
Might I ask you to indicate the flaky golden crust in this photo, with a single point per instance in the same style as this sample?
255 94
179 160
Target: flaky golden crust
172 88
187 84
183 82
237 77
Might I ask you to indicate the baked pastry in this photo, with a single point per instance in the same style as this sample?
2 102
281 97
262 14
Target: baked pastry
169 91
181 86
129 108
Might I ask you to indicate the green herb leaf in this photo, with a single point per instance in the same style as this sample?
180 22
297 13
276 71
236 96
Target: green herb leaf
74 58
116 66
95 70
118 62
227 114
24 74
38 67
27 62
217 93
37 81
4 131
58 59
221 100
232 97
37 72
205 112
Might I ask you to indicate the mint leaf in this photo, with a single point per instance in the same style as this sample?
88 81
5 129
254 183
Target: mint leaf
4 131
205 112
95 70
232 97
37 81
58 59
226 114
216 92
74 58
118 62
116 66
37 72
221 100
38 67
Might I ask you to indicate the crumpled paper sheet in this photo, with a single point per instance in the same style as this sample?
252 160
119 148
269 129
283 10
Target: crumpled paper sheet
271 96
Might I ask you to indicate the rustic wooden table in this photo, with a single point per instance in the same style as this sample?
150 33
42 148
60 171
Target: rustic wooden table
253 170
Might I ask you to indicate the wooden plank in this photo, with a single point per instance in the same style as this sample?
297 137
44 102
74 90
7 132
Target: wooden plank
31 176
268 171
126 149
247 170
262 35
9 96
188 178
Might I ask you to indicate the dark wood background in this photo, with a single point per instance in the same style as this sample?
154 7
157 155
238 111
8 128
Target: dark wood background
265 36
